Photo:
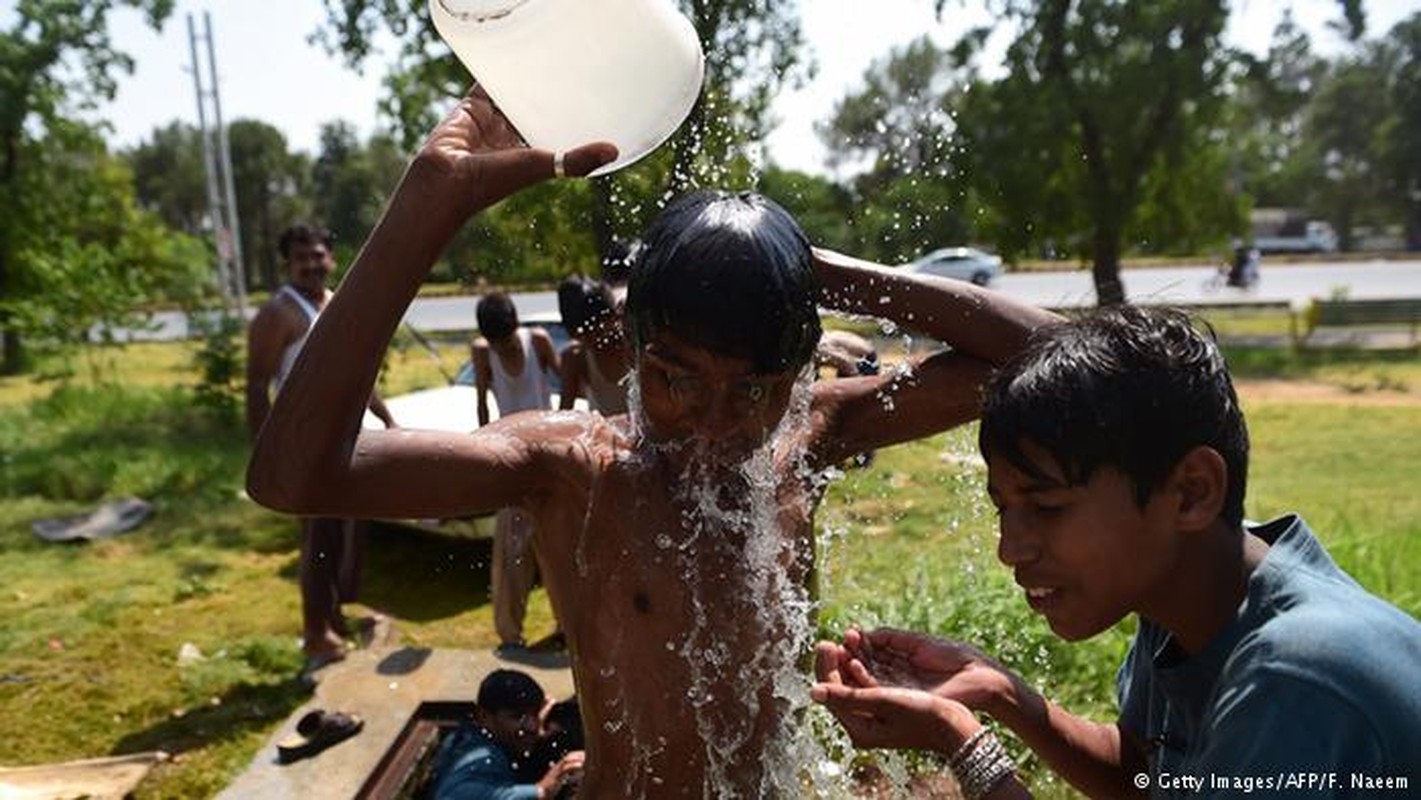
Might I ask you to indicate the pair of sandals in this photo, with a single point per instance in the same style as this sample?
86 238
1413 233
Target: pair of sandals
316 731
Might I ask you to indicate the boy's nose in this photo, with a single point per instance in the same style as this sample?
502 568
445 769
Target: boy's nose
1015 545
717 418
715 425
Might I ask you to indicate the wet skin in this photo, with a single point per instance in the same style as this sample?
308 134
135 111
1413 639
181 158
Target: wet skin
645 590
664 609
650 589
667 637
603 339
644 585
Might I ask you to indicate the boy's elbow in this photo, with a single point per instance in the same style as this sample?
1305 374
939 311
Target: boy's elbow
267 490
276 488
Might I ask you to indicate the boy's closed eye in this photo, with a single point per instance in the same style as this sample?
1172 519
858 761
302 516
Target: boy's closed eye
1041 502
750 391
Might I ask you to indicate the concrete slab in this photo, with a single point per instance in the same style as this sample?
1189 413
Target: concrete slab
384 686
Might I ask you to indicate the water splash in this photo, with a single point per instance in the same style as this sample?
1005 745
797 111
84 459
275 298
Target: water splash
750 706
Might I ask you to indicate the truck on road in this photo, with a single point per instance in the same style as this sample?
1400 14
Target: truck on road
1289 230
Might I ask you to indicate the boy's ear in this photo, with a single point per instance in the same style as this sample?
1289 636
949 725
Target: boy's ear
1199 483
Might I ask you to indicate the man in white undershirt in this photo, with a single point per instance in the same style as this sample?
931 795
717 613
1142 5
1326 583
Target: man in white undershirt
330 548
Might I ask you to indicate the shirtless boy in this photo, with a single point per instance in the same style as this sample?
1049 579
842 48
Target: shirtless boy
675 540
596 360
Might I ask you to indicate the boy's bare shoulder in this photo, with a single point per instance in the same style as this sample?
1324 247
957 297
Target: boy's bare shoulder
573 435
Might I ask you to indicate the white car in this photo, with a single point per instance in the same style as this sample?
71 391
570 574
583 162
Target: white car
454 408
962 263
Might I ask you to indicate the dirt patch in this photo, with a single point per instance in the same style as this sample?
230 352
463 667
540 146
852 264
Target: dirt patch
1285 391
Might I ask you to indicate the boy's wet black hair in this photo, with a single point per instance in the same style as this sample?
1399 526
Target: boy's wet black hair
1127 387
496 315
582 300
510 690
731 273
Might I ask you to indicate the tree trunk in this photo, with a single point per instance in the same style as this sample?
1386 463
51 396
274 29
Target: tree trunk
1346 235
1105 267
12 360
1413 227
14 355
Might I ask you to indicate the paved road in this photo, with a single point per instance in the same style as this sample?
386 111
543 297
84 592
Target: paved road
1293 284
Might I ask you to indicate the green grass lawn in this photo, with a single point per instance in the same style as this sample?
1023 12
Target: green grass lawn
89 652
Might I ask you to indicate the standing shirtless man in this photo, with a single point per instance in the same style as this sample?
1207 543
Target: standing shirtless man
676 539
331 549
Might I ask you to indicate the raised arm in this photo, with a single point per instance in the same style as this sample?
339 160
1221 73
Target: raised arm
927 394
311 457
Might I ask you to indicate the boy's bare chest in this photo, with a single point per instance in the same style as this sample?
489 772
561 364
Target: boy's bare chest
662 568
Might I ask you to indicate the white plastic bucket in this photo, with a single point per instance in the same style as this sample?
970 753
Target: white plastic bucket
571 72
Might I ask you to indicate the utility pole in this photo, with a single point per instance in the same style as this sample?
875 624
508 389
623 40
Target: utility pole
217 164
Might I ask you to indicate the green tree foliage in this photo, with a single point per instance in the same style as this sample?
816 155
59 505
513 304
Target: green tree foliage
1020 171
1402 133
1124 84
822 207
1363 130
1345 141
1188 205
1265 115
1105 115
752 50
340 186
168 177
899 128
55 60
272 186
85 257
953 156
537 236
900 121
349 183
